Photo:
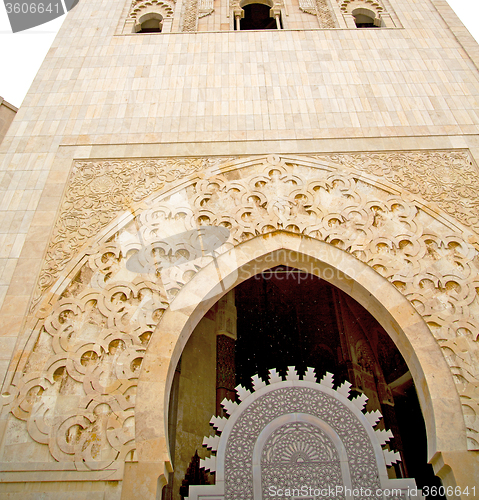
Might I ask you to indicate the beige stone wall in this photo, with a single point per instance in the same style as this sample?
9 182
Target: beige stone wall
196 397
114 100
104 95
7 114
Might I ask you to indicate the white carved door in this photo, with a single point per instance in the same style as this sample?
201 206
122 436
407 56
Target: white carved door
300 439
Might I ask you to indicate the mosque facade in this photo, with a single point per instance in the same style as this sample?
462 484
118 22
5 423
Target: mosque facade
240 253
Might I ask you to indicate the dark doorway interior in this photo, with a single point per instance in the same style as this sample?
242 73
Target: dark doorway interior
363 21
257 17
151 26
290 318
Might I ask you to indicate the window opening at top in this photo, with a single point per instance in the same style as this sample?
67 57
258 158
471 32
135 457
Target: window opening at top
151 25
364 21
257 16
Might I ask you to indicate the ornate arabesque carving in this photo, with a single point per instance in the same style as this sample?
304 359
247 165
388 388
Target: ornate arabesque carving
190 15
296 450
325 15
98 192
448 179
299 450
321 9
92 347
194 10
91 344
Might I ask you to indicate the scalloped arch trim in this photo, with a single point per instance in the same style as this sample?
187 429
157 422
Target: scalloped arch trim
350 5
147 6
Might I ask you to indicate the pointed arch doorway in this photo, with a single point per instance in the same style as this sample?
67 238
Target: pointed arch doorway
386 304
280 318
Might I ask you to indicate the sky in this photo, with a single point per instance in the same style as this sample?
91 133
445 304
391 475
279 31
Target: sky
21 54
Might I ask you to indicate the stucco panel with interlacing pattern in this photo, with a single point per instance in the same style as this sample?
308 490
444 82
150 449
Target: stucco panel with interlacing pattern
128 238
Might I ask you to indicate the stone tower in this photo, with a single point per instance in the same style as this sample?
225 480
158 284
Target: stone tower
170 150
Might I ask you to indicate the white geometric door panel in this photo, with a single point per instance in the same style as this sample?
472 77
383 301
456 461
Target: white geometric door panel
299 438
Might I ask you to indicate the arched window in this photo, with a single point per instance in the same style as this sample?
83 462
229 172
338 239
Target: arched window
150 16
366 14
150 23
258 16
365 18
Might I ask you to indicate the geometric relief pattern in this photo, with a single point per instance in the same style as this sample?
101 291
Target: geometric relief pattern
449 180
321 9
91 348
299 453
97 193
191 13
316 463
75 391
325 15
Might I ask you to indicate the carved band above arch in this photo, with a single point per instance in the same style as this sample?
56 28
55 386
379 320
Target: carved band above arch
373 9
141 7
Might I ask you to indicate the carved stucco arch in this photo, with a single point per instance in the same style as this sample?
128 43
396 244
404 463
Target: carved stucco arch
436 389
395 215
371 8
143 7
143 10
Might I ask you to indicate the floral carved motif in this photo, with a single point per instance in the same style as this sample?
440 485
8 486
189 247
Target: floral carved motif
299 450
325 16
98 192
76 393
321 9
319 465
191 12
449 179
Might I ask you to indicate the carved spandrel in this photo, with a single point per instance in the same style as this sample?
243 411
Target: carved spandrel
92 342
